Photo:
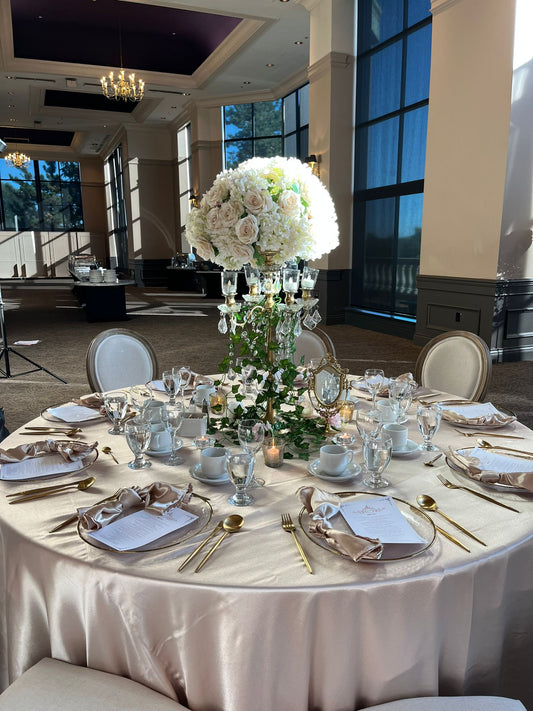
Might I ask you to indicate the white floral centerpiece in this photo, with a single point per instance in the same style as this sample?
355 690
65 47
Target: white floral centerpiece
265 205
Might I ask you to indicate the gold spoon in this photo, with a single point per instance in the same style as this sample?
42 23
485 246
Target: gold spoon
426 502
487 445
231 524
216 529
107 450
30 494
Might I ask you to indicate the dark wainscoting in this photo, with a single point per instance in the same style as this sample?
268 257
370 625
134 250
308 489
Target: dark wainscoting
333 289
501 312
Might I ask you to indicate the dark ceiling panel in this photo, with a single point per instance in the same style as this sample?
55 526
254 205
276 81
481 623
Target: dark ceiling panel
35 136
90 102
159 39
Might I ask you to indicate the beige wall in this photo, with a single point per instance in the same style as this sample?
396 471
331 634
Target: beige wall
468 131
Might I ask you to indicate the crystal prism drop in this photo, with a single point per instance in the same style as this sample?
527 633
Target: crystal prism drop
317 318
222 325
297 329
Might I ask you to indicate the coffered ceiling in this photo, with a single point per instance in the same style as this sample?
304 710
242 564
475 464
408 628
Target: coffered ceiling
53 53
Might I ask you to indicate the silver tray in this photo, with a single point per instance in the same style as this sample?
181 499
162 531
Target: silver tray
418 519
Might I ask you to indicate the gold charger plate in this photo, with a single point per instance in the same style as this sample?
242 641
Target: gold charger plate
87 462
198 505
491 485
419 520
474 425
57 420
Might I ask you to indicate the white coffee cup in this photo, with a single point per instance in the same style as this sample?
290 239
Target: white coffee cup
334 459
388 410
160 439
203 391
213 462
398 434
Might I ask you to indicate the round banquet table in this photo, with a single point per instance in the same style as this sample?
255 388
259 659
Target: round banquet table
253 629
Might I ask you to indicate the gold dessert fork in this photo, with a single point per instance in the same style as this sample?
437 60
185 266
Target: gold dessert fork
449 485
288 525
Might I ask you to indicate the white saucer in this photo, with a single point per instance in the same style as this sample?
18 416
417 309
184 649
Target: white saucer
409 448
163 452
196 473
350 472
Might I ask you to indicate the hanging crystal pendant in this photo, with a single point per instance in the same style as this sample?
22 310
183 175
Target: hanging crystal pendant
317 318
222 325
309 321
297 328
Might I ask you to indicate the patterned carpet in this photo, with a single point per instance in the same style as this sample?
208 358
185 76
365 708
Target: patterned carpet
183 330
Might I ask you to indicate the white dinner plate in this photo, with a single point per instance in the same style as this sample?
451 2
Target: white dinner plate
47 415
196 473
351 471
409 448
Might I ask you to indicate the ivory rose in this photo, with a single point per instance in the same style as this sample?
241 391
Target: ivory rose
289 203
247 229
257 201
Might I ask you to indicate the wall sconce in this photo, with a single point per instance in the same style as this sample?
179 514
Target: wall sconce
194 200
312 161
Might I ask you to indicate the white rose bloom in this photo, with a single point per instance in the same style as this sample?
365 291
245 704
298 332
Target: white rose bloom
257 201
229 213
217 194
243 252
204 248
247 229
212 220
289 203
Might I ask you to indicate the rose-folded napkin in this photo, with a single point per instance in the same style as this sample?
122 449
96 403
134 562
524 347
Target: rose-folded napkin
471 465
322 506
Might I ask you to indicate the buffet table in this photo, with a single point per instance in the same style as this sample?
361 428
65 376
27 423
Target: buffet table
253 629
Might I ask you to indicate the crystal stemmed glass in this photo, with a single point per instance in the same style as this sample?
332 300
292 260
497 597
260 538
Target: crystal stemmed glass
138 434
240 468
183 377
251 435
397 389
172 417
169 381
367 426
377 453
428 419
407 398
374 379
141 397
116 405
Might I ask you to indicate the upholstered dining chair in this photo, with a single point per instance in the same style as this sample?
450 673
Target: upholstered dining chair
118 358
312 344
52 684
455 362
451 703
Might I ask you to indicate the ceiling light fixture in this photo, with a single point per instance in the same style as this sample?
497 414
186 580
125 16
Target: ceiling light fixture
127 89
17 159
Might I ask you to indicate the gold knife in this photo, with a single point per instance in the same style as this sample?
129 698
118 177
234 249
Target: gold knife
217 528
452 538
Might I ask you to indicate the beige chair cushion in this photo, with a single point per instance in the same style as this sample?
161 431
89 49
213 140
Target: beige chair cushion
312 344
52 685
118 358
451 703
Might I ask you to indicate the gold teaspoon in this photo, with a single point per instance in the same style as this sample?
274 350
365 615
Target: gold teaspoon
487 445
426 502
231 524
30 494
107 450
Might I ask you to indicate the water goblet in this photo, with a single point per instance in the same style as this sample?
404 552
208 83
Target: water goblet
367 426
169 381
172 416
374 379
407 398
251 435
240 468
183 377
397 389
116 405
377 453
428 419
141 398
138 434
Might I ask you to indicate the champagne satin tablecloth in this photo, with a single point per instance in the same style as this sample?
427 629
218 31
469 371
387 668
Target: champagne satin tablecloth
253 630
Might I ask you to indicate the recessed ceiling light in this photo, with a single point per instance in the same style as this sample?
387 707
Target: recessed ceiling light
270 63
298 42
11 106
187 93
284 0
247 82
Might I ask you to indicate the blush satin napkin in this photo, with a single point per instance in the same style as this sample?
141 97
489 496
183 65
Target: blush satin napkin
471 466
323 506
70 451
156 497
478 414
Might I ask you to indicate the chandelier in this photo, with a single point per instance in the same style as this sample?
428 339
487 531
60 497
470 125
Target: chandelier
129 89
17 159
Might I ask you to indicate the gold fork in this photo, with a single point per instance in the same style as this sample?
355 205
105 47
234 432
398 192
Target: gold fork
288 525
449 485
